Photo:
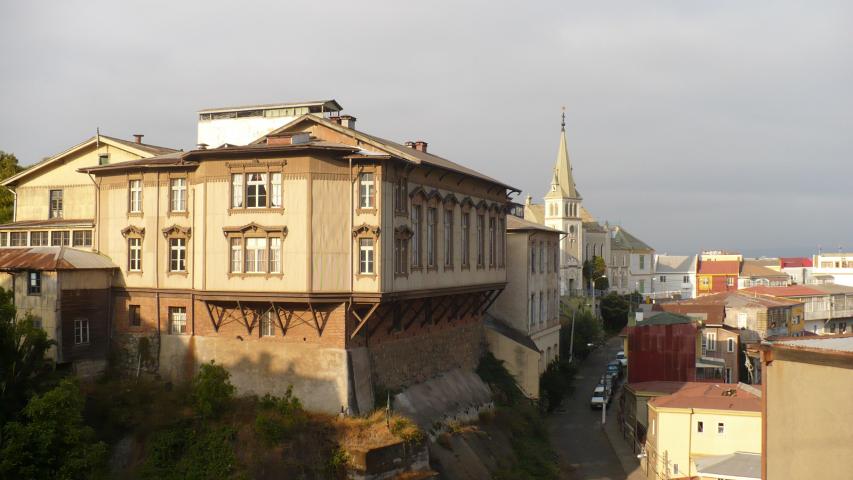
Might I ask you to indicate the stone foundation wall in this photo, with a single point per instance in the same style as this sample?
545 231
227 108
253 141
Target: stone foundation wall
415 359
126 352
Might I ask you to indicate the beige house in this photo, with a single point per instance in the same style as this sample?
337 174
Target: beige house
807 385
529 305
55 204
700 421
317 256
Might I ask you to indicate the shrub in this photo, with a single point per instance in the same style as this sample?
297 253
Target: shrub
212 390
189 452
279 417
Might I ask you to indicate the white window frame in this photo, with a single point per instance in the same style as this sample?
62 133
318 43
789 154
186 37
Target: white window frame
177 254
237 200
275 190
711 341
256 190
177 320
134 254
366 190
268 324
255 256
730 345
55 205
81 331
64 237
365 256
86 238
275 254
178 195
135 199
236 255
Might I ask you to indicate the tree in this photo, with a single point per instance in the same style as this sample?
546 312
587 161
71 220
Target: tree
24 370
614 311
597 269
212 389
51 440
587 331
8 167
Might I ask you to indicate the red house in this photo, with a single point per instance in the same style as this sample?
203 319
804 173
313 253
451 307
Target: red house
663 348
716 276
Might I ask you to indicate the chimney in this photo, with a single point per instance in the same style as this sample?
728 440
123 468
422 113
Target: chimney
335 119
202 146
348 121
410 144
138 137
528 200
421 146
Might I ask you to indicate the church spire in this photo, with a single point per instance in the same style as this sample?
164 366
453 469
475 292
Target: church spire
563 168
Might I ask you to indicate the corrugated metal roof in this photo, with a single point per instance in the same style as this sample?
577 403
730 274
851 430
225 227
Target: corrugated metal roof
836 344
794 262
52 258
332 104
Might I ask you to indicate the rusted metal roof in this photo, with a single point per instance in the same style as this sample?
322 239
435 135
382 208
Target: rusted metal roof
52 258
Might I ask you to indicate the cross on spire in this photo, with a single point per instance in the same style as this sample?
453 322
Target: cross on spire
563 123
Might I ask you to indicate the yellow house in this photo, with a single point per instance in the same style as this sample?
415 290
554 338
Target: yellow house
807 384
699 422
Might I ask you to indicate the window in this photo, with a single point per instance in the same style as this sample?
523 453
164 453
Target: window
541 309
401 255
481 224
177 255
705 282
641 286
103 158
700 427
55 204
256 190
721 428
34 283
365 256
81 331
275 193
237 190
4 239
134 254
401 191
448 238
466 239
730 281
133 318
135 196
493 242
685 279
82 238
675 469
236 255
59 238
728 375
502 241
662 279
177 320
267 324
431 239
179 195
710 343
532 320
642 262
730 345
541 257
366 195
275 255
256 255
533 258
416 237
38 239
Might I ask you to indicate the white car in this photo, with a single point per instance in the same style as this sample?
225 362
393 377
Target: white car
599 397
620 355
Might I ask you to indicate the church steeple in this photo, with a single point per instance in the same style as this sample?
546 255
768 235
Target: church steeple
563 168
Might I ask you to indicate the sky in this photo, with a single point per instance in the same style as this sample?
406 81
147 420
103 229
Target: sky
695 125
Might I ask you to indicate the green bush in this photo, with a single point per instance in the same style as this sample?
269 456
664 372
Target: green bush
50 440
211 390
556 382
279 418
504 387
188 451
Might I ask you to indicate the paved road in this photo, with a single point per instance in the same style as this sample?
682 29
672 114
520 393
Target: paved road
585 452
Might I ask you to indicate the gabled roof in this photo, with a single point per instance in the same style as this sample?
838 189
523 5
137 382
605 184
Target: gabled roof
395 149
665 318
722 267
52 258
142 149
517 224
755 269
562 178
675 263
711 396
535 212
622 240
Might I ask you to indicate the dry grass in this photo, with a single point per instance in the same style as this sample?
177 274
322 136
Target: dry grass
373 431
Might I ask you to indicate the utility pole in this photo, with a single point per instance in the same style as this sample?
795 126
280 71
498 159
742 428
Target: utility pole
572 341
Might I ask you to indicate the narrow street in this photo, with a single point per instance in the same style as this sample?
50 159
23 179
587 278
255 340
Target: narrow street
576 433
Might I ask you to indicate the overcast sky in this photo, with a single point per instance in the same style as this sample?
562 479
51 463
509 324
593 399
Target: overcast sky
715 124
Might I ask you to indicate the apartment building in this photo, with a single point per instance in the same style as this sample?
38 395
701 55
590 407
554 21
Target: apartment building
317 256
808 383
530 304
760 316
676 276
828 308
836 266
755 273
717 272
640 258
799 269
698 421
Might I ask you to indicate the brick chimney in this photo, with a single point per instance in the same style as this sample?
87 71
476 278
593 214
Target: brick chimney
418 145
348 121
335 119
138 137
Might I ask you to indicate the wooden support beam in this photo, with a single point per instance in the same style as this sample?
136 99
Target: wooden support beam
449 304
245 319
210 314
316 323
428 315
363 321
473 302
482 302
496 294
383 312
278 318
415 316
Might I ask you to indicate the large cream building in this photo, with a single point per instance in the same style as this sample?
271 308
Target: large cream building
316 256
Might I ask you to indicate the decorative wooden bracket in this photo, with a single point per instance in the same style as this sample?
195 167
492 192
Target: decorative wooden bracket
133 230
372 229
254 227
177 230
362 321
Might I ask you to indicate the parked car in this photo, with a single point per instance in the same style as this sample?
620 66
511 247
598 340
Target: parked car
623 360
614 367
599 397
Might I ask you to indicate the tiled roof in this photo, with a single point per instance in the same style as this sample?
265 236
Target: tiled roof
740 299
535 212
794 262
514 223
623 240
724 267
51 258
714 314
788 291
754 269
665 318
711 396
